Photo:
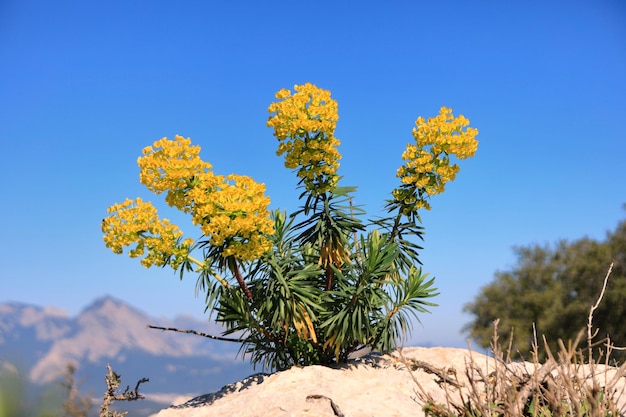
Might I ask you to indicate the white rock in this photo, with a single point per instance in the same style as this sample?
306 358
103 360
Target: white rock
372 386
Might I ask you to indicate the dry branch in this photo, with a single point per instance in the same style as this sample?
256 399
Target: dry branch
173 329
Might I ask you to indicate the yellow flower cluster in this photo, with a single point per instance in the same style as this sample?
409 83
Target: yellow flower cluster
428 167
235 215
304 123
172 166
231 211
137 222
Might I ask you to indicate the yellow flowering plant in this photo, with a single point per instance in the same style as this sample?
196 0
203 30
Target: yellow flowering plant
428 166
304 124
313 286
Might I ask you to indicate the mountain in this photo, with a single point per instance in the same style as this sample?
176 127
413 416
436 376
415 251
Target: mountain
42 341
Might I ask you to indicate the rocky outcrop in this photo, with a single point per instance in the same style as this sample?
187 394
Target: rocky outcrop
374 385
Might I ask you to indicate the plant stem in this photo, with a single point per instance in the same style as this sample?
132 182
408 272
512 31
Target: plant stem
329 277
396 224
217 277
234 268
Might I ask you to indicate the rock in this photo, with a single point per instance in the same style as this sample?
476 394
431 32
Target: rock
374 385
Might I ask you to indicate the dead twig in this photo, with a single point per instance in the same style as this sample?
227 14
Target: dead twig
442 374
113 381
173 329
590 333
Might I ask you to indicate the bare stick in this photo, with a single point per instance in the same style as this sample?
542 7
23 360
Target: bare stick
590 334
111 394
173 329
533 383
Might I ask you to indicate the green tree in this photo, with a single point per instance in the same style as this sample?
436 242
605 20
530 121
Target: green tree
313 286
553 288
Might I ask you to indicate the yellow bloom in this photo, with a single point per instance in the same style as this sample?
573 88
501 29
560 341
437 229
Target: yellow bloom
171 165
135 222
234 214
428 167
231 211
304 123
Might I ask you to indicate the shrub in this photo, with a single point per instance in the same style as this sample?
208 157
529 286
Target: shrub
313 286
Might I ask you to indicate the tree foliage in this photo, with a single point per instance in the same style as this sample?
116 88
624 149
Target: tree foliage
312 286
552 288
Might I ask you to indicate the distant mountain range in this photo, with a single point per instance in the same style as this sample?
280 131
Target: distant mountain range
41 341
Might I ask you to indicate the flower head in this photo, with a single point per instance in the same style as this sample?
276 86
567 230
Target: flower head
135 222
428 167
171 166
304 123
232 211
234 215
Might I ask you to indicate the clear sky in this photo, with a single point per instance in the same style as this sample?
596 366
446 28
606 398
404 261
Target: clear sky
84 86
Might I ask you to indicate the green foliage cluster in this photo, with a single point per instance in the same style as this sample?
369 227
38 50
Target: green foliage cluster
303 311
552 289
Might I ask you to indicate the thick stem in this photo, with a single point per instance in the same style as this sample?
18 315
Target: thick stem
329 277
232 263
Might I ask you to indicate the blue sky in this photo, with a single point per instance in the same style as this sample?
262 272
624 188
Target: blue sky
86 85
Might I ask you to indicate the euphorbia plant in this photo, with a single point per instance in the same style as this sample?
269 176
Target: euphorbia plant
309 287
